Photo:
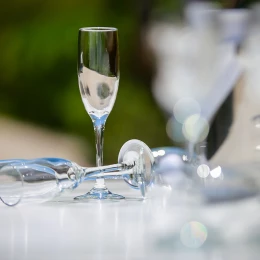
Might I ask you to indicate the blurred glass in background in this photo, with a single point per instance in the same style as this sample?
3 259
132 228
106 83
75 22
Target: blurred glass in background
205 72
206 84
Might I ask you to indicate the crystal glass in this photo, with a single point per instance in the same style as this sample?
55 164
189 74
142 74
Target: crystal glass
98 74
11 184
42 179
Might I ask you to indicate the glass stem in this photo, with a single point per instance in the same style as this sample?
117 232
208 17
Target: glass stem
114 171
190 149
99 127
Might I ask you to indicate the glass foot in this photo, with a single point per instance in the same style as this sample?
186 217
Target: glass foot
99 194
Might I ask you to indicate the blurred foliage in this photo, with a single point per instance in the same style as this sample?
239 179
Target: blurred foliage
237 3
38 76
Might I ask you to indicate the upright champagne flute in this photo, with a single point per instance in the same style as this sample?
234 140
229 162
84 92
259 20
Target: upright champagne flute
98 74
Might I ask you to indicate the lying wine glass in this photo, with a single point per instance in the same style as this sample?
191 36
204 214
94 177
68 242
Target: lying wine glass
45 178
98 74
11 184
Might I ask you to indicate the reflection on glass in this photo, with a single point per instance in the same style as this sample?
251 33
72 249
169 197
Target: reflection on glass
42 179
11 184
98 74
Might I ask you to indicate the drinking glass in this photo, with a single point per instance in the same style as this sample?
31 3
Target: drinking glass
41 179
11 184
98 74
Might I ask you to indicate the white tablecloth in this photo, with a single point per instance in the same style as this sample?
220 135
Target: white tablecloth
65 229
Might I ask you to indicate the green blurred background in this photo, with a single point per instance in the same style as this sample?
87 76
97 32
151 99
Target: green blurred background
38 77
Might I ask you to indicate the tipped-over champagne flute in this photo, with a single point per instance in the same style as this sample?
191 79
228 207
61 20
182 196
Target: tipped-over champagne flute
98 74
41 179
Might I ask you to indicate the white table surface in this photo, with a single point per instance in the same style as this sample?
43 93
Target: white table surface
64 229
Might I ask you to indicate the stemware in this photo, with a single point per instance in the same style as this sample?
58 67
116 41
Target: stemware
11 184
98 74
43 178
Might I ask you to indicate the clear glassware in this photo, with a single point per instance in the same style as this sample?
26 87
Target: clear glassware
98 74
11 184
42 179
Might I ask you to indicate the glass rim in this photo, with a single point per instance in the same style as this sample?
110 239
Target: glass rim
21 181
98 29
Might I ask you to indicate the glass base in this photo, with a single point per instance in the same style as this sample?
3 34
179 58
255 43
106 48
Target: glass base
99 194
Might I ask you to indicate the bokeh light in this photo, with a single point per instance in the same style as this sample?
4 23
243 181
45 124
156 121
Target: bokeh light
184 108
158 153
195 128
203 171
193 234
216 172
161 152
174 130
